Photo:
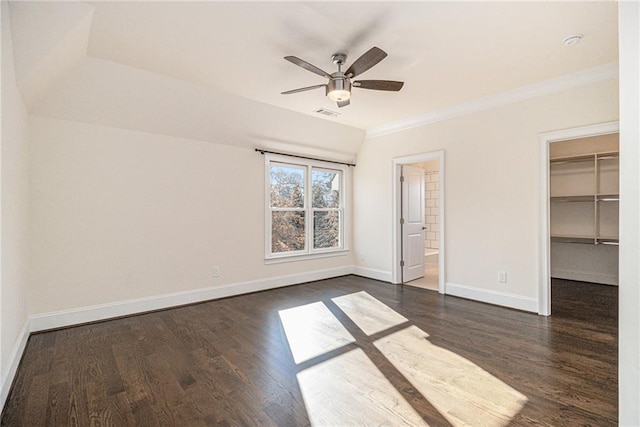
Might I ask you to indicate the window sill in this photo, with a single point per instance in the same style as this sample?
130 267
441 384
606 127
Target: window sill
305 257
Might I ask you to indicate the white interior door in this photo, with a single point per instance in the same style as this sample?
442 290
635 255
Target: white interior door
412 221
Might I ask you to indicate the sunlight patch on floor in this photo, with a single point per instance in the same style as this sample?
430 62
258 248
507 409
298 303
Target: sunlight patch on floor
461 391
312 330
368 313
350 390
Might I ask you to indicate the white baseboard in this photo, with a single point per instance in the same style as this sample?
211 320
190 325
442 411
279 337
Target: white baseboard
59 319
585 276
13 362
94 313
371 273
493 297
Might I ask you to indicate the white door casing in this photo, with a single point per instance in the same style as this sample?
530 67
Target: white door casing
412 222
396 229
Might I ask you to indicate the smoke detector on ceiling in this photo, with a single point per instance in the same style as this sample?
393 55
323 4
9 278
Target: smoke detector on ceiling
572 40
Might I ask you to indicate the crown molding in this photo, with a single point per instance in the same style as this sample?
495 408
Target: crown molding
546 87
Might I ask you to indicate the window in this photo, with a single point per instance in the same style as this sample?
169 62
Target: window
305 213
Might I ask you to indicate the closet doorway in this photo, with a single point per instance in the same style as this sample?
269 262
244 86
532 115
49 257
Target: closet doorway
580 208
422 249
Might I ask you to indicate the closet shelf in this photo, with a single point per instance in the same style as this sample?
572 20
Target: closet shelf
608 197
587 240
573 239
562 199
584 198
587 198
584 158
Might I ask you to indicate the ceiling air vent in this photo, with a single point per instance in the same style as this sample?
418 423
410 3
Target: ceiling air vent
326 112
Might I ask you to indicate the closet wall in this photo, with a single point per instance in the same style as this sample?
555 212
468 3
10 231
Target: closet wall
584 175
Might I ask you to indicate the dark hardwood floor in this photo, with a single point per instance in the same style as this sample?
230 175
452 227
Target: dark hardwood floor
228 362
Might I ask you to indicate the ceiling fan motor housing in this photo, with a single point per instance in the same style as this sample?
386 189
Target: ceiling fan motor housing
339 87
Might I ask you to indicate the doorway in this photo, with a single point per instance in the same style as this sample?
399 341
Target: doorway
567 229
432 216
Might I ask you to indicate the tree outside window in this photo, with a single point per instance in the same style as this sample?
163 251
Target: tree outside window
325 186
305 209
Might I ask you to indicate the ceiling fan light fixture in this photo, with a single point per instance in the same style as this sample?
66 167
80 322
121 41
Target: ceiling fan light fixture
339 89
339 95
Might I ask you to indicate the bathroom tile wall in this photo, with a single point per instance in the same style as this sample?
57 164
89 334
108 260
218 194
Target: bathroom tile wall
432 188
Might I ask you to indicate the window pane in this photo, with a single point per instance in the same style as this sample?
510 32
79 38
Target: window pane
326 229
325 188
287 231
287 186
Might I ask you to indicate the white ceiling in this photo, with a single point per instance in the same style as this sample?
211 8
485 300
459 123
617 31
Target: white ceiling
447 53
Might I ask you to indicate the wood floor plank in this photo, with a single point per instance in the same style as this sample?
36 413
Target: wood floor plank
37 398
414 357
58 404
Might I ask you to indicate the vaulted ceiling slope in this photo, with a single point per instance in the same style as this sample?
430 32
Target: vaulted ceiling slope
49 39
178 67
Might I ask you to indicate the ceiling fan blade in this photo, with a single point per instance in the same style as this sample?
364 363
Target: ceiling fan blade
389 85
343 103
309 67
302 89
366 61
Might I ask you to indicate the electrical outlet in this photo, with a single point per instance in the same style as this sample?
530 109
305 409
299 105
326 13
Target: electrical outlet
502 276
216 271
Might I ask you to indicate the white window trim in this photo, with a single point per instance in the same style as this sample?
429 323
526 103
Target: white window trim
345 198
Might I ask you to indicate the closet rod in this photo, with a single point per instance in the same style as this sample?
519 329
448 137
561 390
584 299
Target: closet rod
263 151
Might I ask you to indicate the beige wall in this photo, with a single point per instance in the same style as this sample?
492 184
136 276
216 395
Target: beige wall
492 186
13 216
119 215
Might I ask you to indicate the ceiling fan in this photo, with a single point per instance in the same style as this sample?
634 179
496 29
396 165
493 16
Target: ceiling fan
339 86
